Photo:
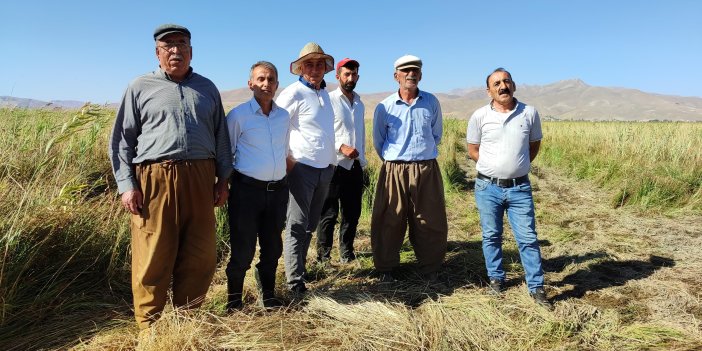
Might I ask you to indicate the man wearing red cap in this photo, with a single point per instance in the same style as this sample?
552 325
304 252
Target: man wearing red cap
346 187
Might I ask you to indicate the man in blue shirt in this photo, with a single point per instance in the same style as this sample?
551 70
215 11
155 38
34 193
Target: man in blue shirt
407 128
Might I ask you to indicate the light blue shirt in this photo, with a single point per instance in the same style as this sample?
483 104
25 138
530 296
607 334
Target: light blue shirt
259 142
407 132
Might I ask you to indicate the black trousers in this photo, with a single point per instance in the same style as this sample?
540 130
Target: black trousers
345 192
255 213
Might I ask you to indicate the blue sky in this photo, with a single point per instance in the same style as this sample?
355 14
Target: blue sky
90 50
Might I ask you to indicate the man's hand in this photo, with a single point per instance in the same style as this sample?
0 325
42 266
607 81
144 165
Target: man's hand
133 201
289 164
221 192
348 151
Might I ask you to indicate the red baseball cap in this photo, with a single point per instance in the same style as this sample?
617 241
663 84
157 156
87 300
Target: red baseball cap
345 61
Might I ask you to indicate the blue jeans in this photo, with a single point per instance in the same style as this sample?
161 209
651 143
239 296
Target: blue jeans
492 202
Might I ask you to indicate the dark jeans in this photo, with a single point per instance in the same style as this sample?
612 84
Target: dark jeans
345 192
255 213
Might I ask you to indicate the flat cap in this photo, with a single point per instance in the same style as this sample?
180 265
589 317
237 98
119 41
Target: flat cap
170 28
408 61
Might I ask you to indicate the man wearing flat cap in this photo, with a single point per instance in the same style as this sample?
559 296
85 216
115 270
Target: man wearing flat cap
311 159
346 188
407 129
171 158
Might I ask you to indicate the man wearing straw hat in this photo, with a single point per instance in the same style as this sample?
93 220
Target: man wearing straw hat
312 156
407 129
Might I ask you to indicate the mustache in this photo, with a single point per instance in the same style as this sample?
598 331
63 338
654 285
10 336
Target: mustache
176 57
503 91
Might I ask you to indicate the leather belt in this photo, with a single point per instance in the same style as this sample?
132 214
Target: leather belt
261 184
505 183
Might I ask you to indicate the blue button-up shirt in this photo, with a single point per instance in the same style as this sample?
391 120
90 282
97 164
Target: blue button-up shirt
407 132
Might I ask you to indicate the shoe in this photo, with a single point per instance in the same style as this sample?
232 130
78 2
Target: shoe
299 289
387 277
539 296
269 301
496 286
234 305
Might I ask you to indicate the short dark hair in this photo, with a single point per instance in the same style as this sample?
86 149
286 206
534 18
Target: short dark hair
498 69
350 65
265 64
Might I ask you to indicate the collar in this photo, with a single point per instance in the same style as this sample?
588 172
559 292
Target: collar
165 75
310 85
356 97
255 107
516 103
398 98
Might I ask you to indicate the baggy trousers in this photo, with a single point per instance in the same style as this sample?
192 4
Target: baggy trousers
173 237
409 193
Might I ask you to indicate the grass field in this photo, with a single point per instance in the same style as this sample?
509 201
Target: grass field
617 212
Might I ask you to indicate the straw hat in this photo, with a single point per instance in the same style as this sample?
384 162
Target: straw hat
308 52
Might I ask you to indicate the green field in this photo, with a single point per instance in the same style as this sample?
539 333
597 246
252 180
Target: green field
64 269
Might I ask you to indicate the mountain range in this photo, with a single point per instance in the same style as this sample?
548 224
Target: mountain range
570 99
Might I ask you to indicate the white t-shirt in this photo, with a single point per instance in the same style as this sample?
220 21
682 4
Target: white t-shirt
348 127
504 139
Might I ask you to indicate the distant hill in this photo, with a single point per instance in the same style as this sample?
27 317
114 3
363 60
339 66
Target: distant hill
14 102
564 100
570 99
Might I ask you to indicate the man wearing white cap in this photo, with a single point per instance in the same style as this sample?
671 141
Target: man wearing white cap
346 188
311 159
407 129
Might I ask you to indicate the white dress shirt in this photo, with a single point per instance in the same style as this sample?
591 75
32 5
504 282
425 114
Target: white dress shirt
259 142
349 128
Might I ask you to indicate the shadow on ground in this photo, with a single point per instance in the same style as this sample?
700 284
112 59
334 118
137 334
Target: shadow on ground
608 273
463 267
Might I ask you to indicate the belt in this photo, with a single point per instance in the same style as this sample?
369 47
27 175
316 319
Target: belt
505 183
164 162
261 184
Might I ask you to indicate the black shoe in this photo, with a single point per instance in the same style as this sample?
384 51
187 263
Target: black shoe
497 286
234 305
539 296
387 277
299 289
269 301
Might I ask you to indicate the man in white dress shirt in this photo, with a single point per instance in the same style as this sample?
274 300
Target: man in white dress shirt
346 187
258 130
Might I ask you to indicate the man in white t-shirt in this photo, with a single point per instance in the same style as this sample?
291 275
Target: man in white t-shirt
503 138
311 159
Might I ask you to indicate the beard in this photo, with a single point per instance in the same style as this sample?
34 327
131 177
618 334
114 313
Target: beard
350 86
